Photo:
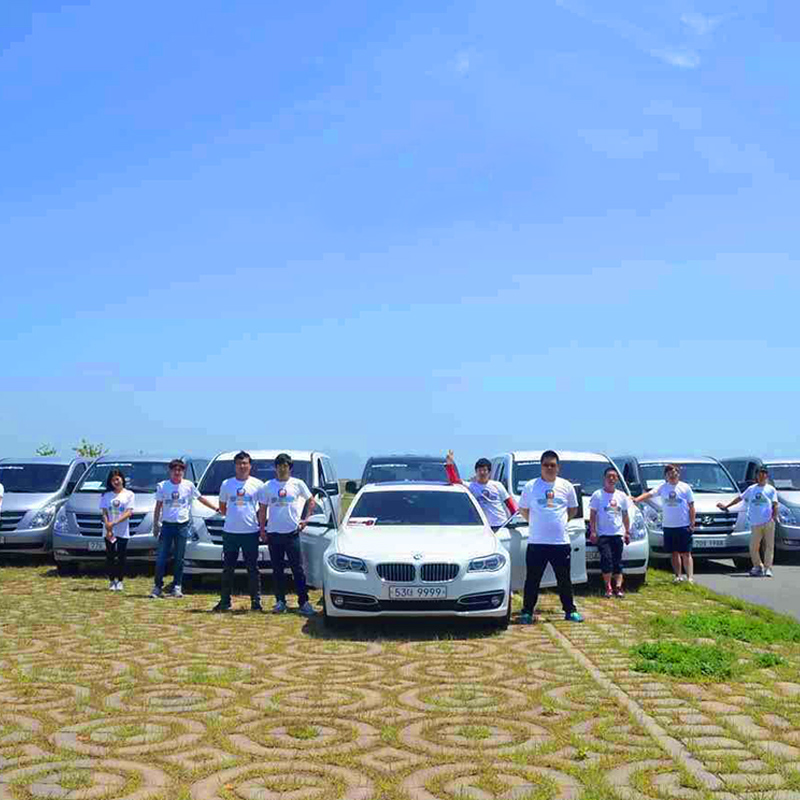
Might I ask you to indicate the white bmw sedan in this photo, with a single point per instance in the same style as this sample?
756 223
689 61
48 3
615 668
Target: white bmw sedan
416 549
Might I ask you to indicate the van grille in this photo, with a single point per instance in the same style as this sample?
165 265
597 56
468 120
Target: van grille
92 524
439 572
399 573
715 522
214 526
10 519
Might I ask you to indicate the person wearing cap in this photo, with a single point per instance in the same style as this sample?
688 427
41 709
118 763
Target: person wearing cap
174 506
762 509
238 503
281 520
677 503
610 530
492 496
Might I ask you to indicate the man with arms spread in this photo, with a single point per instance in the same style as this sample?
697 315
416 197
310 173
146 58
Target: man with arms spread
762 506
238 503
492 496
280 521
548 503
610 529
174 497
677 502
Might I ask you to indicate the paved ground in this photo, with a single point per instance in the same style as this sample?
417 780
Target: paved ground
117 697
782 592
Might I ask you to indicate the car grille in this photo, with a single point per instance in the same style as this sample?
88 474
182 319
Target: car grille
92 524
214 526
10 519
399 573
439 572
715 523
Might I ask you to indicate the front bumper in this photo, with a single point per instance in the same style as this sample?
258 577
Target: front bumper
787 538
26 541
74 548
718 545
472 595
635 557
205 558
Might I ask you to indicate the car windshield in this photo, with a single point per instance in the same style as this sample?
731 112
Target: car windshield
415 508
140 476
703 478
263 469
589 474
32 478
405 470
785 476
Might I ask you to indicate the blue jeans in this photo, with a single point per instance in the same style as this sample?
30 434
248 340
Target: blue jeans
248 543
172 534
287 545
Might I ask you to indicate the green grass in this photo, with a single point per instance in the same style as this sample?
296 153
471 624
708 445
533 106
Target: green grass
743 627
680 660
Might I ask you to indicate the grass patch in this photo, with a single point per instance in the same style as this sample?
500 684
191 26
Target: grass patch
302 731
763 660
476 732
745 627
698 661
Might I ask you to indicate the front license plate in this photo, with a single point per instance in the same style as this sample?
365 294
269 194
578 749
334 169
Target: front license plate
417 592
263 555
592 555
2 539
712 542
94 546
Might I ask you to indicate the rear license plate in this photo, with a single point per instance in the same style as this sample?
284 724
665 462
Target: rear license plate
592 555
718 542
94 546
417 592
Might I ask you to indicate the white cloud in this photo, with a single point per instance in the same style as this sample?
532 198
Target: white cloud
685 59
700 23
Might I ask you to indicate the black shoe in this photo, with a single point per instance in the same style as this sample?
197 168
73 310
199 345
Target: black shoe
257 607
221 608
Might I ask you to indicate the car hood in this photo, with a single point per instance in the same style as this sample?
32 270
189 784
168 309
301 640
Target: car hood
403 542
203 512
586 500
788 498
86 502
707 503
22 501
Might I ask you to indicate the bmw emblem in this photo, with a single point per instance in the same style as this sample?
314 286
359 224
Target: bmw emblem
417 556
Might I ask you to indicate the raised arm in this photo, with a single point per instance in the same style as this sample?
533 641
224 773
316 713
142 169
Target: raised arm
451 469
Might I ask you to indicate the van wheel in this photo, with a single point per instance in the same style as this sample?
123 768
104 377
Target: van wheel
743 564
65 568
634 582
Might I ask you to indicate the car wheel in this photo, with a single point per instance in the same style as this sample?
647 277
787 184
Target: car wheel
635 582
64 568
743 564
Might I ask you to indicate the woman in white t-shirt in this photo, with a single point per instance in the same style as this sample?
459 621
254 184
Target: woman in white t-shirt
116 506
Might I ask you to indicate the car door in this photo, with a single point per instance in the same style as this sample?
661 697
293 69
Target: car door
316 536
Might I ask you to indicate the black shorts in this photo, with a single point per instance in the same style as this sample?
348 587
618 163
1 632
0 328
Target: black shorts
677 540
610 548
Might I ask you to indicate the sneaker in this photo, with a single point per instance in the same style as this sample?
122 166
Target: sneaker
767 573
619 594
573 616
279 607
112 586
608 593
756 572
156 593
176 592
307 610
690 580
526 619
221 608
255 605
169 587
120 586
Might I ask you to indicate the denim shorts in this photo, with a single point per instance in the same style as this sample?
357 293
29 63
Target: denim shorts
678 540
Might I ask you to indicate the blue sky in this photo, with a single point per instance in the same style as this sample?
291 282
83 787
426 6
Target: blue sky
369 227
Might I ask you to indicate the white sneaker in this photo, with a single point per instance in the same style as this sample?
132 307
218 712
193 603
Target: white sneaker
176 591
120 587
678 579
112 586
767 573
689 580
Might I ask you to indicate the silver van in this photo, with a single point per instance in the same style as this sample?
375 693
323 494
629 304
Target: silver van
35 489
78 528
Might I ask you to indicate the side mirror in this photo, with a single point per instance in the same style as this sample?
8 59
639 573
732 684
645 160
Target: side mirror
351 487
579 495
332 487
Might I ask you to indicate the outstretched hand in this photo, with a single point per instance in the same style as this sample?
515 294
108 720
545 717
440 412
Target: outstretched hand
450 457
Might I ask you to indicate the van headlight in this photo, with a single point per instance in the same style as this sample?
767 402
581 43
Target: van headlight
342 563
787 516
60 525
44 516
638 528
653 519
490 563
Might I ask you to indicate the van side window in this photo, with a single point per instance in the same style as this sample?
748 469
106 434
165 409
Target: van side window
330 471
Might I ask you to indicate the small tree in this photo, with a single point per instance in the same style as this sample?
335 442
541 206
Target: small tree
45 450
89 450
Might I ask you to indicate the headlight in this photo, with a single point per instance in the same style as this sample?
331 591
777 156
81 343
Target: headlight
342 563
490 563
44 516
638 528
60 525
786 515
653 518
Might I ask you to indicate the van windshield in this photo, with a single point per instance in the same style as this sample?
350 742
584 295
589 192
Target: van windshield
589 474
32 478
140 476
405 469
785 476
703 478
263 469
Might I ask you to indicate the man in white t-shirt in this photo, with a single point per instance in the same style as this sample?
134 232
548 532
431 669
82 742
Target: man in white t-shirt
762 508
281 519
174 505
238 503
548 503
610 529
492 496
678 514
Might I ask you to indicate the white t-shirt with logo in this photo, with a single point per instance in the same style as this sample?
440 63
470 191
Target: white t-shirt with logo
177 500
241 498
284 501
548 504
675 501
491 497
759 501
117 505
610 507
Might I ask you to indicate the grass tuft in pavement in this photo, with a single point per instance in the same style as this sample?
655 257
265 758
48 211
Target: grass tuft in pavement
698 661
